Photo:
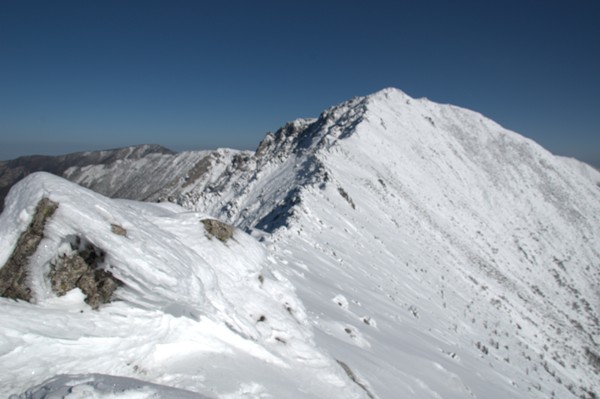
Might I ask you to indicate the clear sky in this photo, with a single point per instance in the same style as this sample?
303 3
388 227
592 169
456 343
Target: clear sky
82 75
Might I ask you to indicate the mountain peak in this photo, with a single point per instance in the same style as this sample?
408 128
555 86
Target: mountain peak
433 143
486 228
388 93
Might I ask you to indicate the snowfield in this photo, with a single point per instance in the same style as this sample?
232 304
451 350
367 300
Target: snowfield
392 247
194 312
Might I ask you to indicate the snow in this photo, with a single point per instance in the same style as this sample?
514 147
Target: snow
153 176
192 313
473 249
396 248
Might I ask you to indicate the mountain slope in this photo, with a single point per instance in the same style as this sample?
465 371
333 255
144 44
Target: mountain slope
426 251
194 304
429 242
144 172
14 170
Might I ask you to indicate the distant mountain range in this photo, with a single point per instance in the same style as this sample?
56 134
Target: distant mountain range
391 247
14 170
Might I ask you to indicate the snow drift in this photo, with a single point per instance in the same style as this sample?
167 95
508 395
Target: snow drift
193 309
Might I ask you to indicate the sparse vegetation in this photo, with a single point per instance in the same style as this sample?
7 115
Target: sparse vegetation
593 359
482 348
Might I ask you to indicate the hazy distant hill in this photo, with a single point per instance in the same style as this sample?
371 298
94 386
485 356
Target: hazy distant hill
14 170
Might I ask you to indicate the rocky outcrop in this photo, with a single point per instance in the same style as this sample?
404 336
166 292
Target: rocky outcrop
81 269
220 230
13 274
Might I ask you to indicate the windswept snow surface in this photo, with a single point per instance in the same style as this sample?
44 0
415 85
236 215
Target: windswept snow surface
194 313
438 254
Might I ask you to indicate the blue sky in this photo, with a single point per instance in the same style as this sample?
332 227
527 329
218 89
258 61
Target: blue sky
83 75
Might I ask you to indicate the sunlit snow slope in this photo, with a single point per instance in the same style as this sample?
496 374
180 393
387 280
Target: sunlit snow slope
196 310
437 253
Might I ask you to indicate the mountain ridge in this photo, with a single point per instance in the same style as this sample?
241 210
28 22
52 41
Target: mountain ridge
435 253
11 171
497 206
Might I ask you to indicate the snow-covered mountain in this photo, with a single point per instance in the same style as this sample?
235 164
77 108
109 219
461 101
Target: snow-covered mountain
14 170
427 251
475 251
144 172
147 292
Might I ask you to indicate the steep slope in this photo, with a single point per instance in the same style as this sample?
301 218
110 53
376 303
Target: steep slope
186 302
437 253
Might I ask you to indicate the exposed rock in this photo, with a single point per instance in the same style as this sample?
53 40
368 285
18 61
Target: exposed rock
77 270
200 168
345 195
354 379
593 359
13 275
220 230
118 230
81 269
264 145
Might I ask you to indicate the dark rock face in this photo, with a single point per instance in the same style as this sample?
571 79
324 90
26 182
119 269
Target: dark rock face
220 230
81 269
13 275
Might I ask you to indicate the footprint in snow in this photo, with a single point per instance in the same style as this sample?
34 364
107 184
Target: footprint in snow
341 301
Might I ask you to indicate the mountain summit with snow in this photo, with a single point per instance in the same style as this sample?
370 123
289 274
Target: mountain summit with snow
391 247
